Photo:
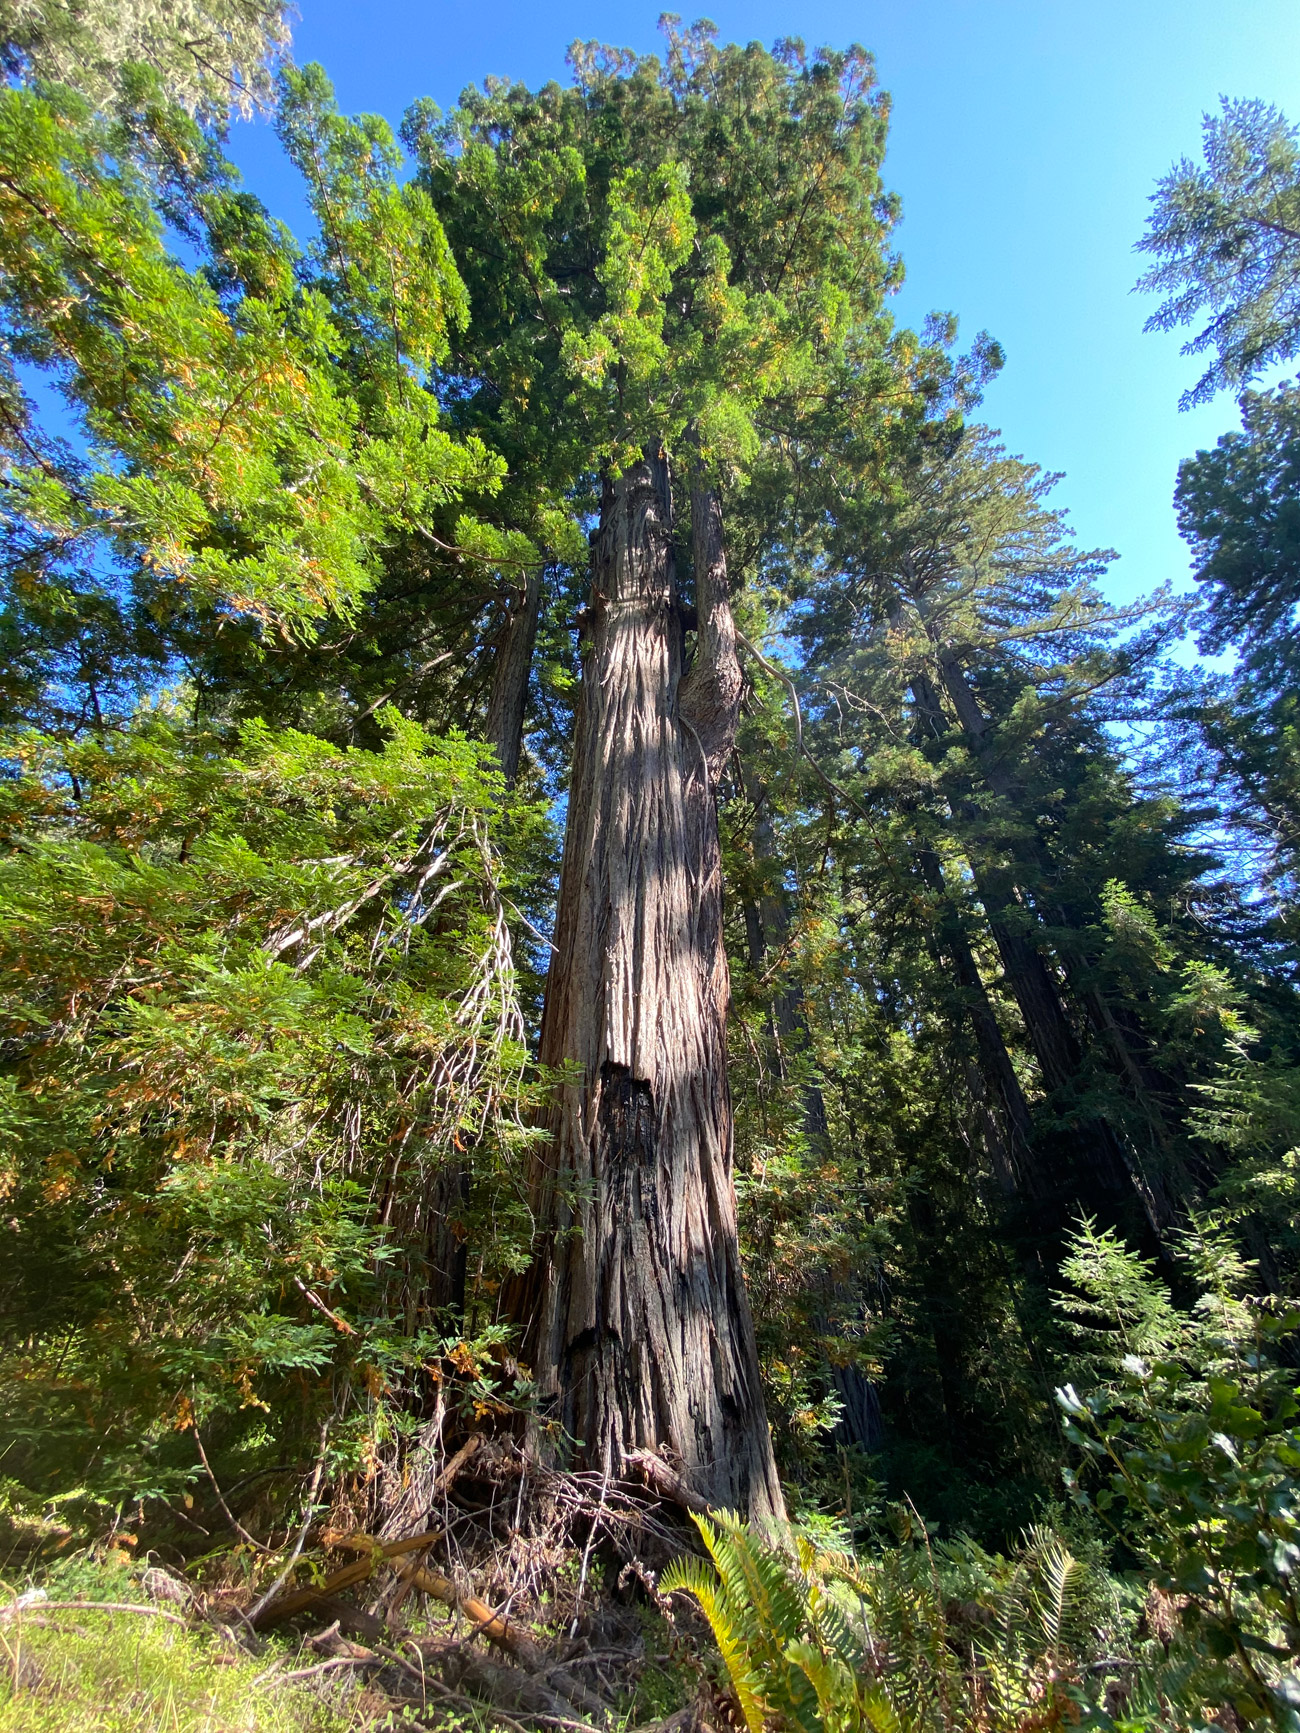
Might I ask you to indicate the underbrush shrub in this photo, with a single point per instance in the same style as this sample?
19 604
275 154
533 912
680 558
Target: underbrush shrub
1170 1603
1187 1452
264 1096
926 1635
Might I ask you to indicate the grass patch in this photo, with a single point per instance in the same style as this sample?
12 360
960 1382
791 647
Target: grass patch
85 1671
89 1672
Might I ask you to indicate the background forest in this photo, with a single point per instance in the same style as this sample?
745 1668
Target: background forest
543 696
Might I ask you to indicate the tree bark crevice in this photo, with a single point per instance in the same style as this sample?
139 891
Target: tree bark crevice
640 1332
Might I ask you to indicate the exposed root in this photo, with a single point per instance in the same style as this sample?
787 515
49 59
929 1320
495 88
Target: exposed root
663 1478
504 1543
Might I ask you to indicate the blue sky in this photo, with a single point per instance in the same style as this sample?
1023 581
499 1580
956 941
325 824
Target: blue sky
1027 136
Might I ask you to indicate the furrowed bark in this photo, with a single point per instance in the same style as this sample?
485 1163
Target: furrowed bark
640 1332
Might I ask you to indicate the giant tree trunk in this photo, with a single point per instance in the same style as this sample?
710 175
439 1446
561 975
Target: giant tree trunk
640 1333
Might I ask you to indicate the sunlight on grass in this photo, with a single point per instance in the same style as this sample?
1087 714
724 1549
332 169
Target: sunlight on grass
94 1672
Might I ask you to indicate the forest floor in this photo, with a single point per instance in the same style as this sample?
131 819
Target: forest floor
524 1601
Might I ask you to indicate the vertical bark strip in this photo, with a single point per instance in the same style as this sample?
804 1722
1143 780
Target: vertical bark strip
509 696
641 1334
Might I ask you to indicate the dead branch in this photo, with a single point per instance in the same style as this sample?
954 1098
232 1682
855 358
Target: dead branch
226 1511
666 1481
390 1549
468 1450
16 1612
329 1666
514 1640
301 1599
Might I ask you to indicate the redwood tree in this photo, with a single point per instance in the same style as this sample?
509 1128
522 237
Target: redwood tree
667 263
642 1332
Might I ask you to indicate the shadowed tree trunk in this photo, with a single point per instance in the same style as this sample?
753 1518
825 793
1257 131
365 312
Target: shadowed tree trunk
640 1332
1015 1124
509 696
1113 1170
1079 1168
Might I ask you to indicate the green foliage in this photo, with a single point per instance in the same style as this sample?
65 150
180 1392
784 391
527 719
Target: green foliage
249 435
1190 1453
688 241
1189 1457
970 856
1239 510
265 998
212 56
959 668
1226 235
919 1636
257 996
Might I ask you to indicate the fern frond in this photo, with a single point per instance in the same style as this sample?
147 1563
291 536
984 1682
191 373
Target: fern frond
756 1578
834 1632
831 1681
1062 1579
841 1567
879 1714
692 1576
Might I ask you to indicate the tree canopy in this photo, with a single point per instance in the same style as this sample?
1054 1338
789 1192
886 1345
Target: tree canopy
586 864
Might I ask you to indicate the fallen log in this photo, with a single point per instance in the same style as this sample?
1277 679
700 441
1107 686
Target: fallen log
300 1599
354 1620
492 1625
488 1623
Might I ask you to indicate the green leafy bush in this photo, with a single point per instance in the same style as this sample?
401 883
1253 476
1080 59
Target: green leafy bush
1191 1454
926 1635
261 1083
